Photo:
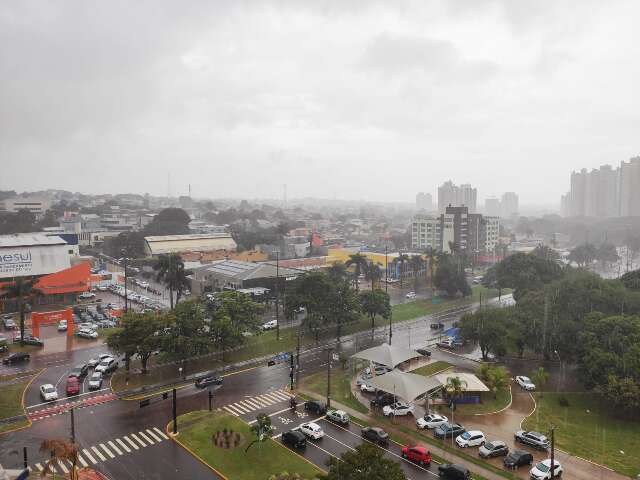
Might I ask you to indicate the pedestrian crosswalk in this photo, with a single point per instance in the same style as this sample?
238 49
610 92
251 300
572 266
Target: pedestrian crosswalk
106 450
258 402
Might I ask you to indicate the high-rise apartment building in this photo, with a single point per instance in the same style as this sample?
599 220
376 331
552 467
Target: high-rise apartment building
450 194
424 201
509 205
425 232
492 206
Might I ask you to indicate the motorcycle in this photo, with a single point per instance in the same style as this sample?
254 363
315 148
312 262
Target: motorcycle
293 404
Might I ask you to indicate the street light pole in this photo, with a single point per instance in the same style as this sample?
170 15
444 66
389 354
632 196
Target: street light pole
175 412
277 295
553 428
386 287
328 377
124 254
73 426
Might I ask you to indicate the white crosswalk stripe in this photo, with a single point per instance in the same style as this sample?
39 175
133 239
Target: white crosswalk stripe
82 461
253 403
98 453
281 395
235 408
107 451
230 411
89 456
262 401
251 408
272 397
160 432
114 447
123 445
39 467
135 437
241 408
153 435
131 442
63 467
147 439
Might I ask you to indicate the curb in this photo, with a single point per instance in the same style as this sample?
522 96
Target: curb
502 409
535 406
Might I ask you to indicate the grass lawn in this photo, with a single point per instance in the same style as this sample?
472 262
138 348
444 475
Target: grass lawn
488 403
340 387
587 429
261 461
11 399
13 425
11 376
432 368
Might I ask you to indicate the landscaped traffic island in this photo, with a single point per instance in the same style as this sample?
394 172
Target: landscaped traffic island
11 404
221 440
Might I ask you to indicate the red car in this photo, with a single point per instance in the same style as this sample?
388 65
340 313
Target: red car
73 386
417 454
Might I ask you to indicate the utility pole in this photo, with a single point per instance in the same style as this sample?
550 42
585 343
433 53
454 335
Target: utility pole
210 400
124 254
175 412
298 359
553 428
291 366
386 287
24 457
329 377
73 426
277 295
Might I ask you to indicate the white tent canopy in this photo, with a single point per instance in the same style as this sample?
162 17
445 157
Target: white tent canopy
471 383
407 386
388 355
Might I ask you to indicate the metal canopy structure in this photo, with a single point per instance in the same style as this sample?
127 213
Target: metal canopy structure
388 355
407 386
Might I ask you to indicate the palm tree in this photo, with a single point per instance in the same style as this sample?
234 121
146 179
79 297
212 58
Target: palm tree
60 450
455 387
171 273
431 254
337 271
21 289
540 378
401 260
373 274
498 379
359 261
417 263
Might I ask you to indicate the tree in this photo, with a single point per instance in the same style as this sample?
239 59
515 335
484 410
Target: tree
546 253
170 221
364 462
171 272
449 278
401 260
60 450
22 290
416 263
337 271
375 302
262 429
132 242
140 335
488 328
373 274
607 253
455 387
431 255
359 262
583 255
287 476
498 380
186 332
344 306
540 377
23 221
631 280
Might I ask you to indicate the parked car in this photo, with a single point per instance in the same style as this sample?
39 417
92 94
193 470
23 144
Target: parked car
87 333
398 409
411 295
8 322
525 383
93 362
377 370
472 438
312 430
86 295
95 381
365 387
533 439
436 326
383 399
448 430
48 392
29 340
16 357
79 370
517 458
446 344
270 325
417 454
542 470
73 386
431 420
376 435
338 416
451 471
494 448
294 438
62 326
204 382
107 365
424 352
363 378
315 407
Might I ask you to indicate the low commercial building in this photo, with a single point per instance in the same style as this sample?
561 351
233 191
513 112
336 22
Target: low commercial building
36 205
213 242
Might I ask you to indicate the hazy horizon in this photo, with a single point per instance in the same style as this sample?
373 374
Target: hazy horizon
360 101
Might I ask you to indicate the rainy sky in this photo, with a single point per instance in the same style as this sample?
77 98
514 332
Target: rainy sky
337 99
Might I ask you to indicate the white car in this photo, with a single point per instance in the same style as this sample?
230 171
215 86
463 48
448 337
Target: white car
144 284
270 325
87 333
93 362
62 326
86 295
312 430
525 383
431 420
542 470
48 392
365 387
102 288
95 381
411 295
472 438
398 409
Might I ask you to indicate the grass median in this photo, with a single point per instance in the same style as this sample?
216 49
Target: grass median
199 431
586 427
11 404
340 387
432 368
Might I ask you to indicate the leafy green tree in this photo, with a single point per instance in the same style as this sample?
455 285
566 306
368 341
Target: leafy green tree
622 393
498 380
23 291
337 271
365 462
23 221
540 377
449 277
170 271
373 274
375 303
287 476
583 255
359 262
401 260
141 335
170 221
488 328
186 333
607 253
417 263
455 387
262 429
132 242
343 307
631 280
545 252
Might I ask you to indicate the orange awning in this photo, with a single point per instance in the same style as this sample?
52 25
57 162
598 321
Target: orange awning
75 279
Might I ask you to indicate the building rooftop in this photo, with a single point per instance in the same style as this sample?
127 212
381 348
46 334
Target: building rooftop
189 236
246 270
29 240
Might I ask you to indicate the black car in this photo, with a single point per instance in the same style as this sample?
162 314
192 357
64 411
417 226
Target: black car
382 400
424 352
208 380
376 434
79 370
436 326
517 458
294 438
315 407
453 472
448 430
16 357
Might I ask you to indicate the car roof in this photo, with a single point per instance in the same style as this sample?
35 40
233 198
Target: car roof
475 432
497 443
46 385
519 453
313 425
296 433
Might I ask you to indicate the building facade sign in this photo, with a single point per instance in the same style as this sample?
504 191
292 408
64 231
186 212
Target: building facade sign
28 261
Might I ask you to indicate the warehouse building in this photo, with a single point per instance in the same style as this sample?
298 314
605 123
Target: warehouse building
213 242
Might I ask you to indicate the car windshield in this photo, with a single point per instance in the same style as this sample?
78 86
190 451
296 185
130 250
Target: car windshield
466 435
96 376
525 379
489 446
542 467
49 389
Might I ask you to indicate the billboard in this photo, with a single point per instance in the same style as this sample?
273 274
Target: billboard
36 260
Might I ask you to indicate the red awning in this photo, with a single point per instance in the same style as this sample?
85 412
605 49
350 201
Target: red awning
72 280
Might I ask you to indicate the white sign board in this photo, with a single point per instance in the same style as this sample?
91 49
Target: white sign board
27 261
335 357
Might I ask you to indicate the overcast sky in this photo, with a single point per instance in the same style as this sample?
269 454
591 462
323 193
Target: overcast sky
345 99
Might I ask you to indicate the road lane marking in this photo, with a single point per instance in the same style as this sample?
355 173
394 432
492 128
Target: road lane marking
271 398
39 467
161 433
147 439
230 411
138 440
97 452
325 451
283 393
63 467
104 447
341 443
114 447
151 434
235 407
88 455
131 443
252 402
82 461
260 402
248 406
123 445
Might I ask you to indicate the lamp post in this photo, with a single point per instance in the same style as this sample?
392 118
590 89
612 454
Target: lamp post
386 287
277 296
124 255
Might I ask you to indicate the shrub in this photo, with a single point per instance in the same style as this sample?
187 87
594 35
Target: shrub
563 401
